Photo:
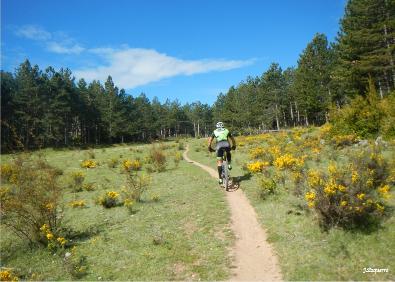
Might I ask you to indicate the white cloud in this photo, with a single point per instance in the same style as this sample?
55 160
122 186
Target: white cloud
59 48
132 67
57 42
33 32
129 67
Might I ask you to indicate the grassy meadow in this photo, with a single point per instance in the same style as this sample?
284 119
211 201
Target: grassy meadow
179 230
306 250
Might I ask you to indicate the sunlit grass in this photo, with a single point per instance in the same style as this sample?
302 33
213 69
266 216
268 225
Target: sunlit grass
306 252
179 230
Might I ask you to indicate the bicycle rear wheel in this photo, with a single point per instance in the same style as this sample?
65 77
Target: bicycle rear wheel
225 171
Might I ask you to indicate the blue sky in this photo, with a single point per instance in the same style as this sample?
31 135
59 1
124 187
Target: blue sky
187 50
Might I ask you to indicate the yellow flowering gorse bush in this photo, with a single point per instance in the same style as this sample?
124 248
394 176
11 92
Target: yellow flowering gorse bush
288 161
110 199
88 164
257 166
351 197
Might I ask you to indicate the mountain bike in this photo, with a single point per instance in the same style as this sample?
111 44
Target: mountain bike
225 172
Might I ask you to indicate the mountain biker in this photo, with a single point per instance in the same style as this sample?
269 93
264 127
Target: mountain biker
222 136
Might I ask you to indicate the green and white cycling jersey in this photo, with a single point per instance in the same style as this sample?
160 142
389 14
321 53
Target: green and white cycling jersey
221 134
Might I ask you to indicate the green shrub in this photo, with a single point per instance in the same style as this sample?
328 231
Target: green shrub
135 186
177 158
77 178
76 264
113 163
181 146
351 196
267 186
364 116
89 186
110 199
158 159
387 128
31 199
129 204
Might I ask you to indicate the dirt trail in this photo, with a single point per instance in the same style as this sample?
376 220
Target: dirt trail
254 258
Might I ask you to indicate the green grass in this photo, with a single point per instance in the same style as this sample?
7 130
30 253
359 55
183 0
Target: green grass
305 251
184 235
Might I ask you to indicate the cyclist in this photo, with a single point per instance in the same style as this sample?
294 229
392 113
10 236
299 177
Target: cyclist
222 136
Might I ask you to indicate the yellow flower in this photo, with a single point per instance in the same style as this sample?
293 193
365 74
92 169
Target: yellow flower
384 191
369 182
49 206
332 169
88 164
112 194
275 151
325 129
314 178
310 196
343 203
257 152
5 275
354 176
62 241
44 228
131 165
78 203
311 204
288 161
128 203
316 150
361 196
49 236
358 209
257 166
341 188
297 177
330 188
379 207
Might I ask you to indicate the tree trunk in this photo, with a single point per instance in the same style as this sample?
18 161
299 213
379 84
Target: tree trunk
277 120
306 119
389 51
297 111
285 120
292 113
380 90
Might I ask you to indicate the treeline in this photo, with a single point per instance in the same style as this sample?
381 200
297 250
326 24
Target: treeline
49 108
41 109
326 74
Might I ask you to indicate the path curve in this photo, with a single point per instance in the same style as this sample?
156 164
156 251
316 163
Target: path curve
254 258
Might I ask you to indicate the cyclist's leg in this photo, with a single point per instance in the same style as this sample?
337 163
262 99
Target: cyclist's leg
228 155
220 154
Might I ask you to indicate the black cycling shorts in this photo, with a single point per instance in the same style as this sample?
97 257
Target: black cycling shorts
221 147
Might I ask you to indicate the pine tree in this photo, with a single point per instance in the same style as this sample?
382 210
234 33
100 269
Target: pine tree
312 80
366 46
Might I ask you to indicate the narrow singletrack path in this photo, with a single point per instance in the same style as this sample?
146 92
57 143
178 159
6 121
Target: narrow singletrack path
254 258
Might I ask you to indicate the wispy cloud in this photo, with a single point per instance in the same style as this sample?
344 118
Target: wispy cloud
129 67
132 67
57 47
33 32
53 42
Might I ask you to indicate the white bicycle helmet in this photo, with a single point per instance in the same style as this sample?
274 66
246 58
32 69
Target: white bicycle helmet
220 125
